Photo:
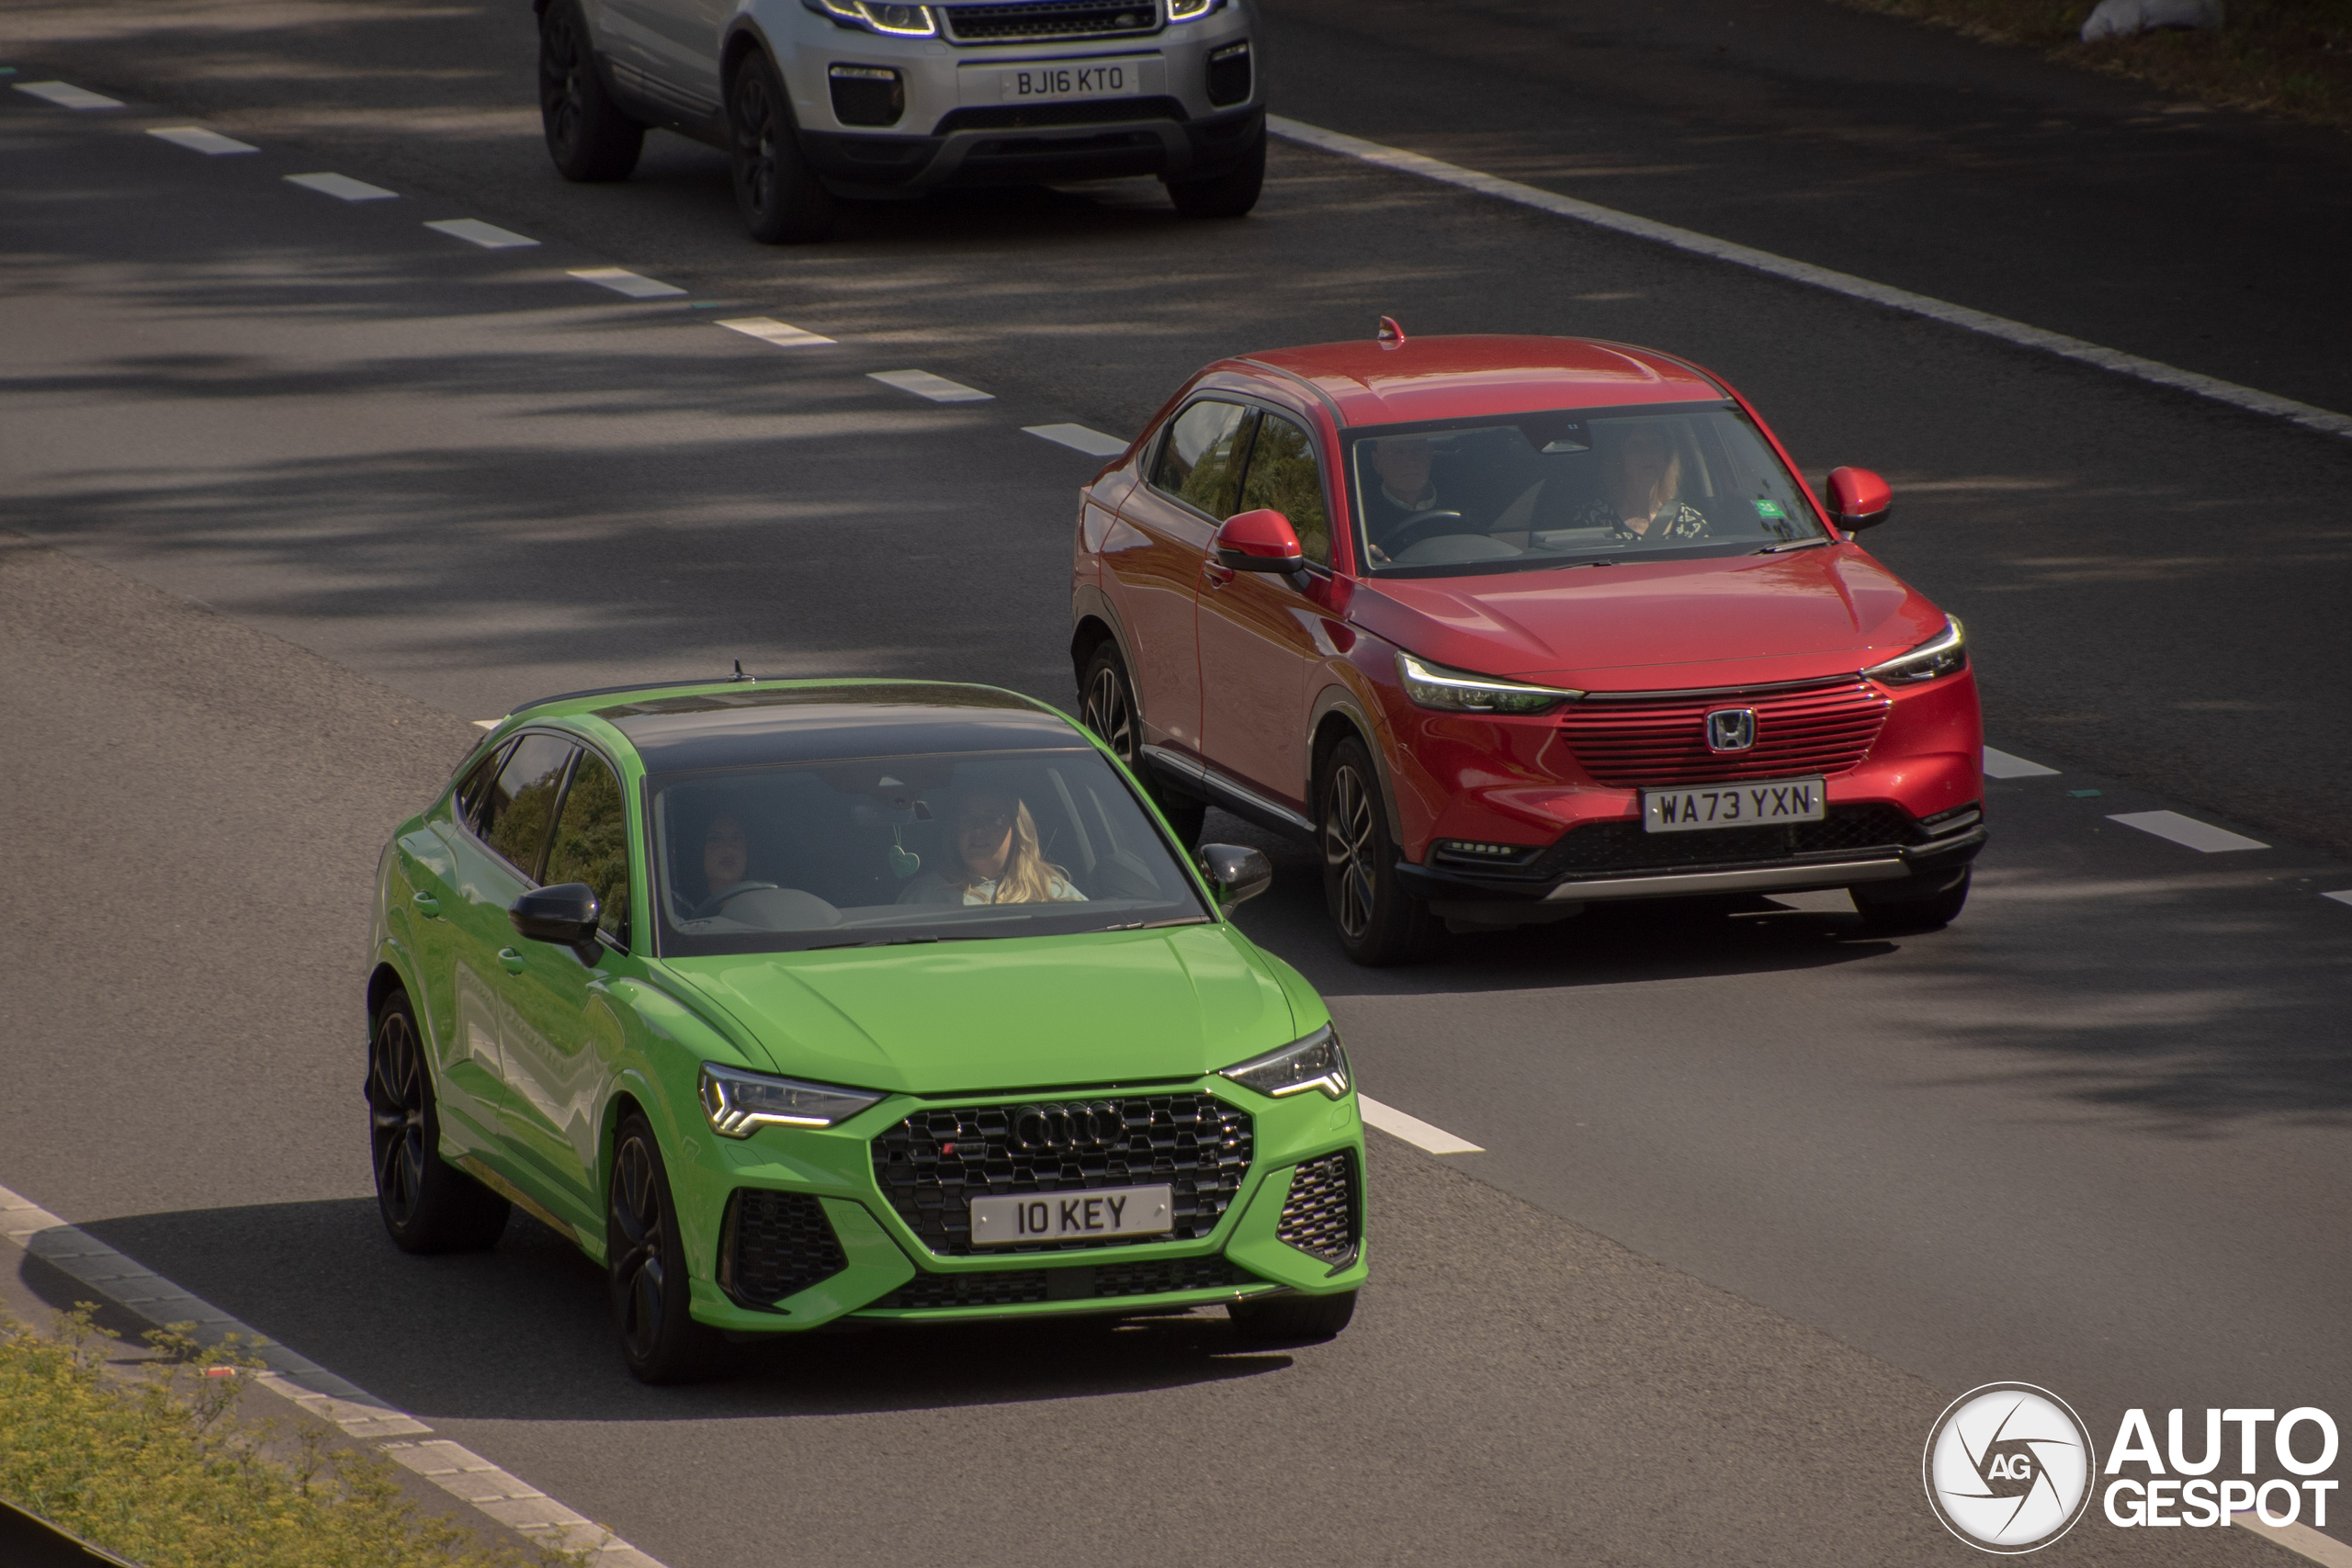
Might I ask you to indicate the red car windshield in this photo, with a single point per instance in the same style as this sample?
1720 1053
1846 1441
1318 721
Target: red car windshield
1536 490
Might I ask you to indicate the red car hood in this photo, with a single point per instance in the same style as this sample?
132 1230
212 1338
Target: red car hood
1635 627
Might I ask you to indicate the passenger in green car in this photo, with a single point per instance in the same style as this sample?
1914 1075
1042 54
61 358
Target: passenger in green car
999 860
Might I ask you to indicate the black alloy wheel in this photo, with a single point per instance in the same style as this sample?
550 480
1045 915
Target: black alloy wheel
590 138
1292 1320
427 1204
779 196
1107 706
1228 195
646 1272
1378 922
1904 909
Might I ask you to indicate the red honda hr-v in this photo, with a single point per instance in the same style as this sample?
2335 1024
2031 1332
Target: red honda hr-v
1509 627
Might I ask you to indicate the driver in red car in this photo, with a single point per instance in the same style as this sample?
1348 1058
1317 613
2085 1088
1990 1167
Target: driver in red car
1406 490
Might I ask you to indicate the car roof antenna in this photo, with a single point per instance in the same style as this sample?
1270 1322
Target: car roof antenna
739 674
1391 335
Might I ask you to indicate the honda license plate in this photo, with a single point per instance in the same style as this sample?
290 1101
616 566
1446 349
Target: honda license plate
1765 804
1097 1215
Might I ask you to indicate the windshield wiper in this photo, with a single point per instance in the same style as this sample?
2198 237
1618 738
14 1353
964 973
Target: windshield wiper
1160 925
879 942
1778 549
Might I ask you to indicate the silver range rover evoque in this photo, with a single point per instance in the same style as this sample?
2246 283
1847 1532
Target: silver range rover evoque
820 99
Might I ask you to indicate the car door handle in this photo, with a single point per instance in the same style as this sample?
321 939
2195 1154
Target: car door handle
1216 576
428 905
510 959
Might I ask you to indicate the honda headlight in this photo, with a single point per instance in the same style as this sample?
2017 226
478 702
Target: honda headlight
1946 653
740 1103
1457 691
1315 1062
895 21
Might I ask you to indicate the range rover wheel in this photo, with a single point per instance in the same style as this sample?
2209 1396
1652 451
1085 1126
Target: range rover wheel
427 1204
588 136
1107 706
1292 1320
1378 922
645 1266
1228 195
780 199
1899 909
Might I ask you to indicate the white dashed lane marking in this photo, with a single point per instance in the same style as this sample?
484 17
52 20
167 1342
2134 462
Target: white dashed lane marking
195 139
2343 897
938 388
2199 836
1412 1129
2001 765
489 236
620 280
343 188
67 95
768 329
1077 438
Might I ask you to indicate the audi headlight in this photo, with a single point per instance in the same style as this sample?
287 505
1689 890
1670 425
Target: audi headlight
740 1103
1315 1062
1946 653
1192 10
896 21
1457 691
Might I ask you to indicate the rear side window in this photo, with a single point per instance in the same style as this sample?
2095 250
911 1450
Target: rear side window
591 842
1284 475
522 799
1198 461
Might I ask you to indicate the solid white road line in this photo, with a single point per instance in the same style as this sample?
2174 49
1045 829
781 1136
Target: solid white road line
67 95
2017 333
489 236
195 139
2343 897
2200 836
2299 1539
938 388
768 329
343 188
1412 1129
2001 765
1076 437
622 281
456 1471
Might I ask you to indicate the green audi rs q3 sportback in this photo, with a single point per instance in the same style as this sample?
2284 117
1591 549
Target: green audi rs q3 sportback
794 1001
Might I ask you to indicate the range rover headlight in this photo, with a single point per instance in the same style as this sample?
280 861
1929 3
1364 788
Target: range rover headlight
1457 691
739 1103
1946 653
895 21
1192 10
1315 1062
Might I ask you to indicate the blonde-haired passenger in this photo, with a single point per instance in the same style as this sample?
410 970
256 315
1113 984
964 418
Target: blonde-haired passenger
999 859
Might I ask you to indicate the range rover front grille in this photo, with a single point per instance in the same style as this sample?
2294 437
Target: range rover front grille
934 1164
1319 1216
1028 21
1662 741
773 1244
1078 1282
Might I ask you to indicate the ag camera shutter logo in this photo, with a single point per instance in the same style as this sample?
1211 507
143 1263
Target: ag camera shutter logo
2009 1468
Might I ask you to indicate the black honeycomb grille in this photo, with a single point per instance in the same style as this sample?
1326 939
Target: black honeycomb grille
1319 1216
934 1164
1078 1282
773 1244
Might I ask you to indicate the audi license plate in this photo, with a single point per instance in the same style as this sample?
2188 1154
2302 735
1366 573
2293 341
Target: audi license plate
1095 1215
1767 804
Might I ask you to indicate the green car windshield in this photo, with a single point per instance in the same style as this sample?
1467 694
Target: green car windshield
887 850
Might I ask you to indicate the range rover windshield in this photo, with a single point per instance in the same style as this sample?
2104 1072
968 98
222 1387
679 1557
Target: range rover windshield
1535 490
908 848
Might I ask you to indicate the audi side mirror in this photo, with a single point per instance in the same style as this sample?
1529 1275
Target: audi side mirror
1262 540
1858 499
565 915
1237 873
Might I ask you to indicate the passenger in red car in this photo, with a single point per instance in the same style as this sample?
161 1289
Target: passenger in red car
1645 500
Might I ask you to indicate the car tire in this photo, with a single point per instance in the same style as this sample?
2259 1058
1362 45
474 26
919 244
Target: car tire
590 138
1106 704
1378 922
781 201
1901 908
1228 195
1292 1320
645 1266
428 1205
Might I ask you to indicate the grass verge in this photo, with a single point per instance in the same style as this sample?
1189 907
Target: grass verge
2289 57
149 1465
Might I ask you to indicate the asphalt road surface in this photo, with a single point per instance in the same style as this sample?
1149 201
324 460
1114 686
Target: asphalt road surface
298 487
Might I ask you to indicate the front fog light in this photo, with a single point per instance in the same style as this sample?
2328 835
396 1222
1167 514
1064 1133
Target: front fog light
739 1103
1315 1062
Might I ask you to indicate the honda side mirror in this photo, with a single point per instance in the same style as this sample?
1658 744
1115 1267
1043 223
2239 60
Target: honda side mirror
1262 540
1858 499
1239 874
565 915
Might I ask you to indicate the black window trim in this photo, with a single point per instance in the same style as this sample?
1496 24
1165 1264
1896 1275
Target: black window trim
1261 406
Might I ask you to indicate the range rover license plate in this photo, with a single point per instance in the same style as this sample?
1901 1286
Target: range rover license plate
1064 81
1768 803
1095 1215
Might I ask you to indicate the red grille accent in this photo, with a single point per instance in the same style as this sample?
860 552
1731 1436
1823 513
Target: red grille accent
1664 741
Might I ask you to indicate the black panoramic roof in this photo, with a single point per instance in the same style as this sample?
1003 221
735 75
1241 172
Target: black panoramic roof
815 724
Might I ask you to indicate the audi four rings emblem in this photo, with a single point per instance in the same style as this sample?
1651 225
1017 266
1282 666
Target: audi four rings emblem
1731 729
1058 1129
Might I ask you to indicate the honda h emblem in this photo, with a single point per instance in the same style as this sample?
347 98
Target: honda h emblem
1731 729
